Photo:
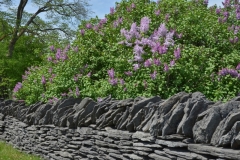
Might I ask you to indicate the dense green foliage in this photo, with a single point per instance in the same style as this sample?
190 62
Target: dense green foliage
205 58
27 53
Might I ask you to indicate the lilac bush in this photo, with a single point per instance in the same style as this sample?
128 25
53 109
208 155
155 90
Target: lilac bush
143 49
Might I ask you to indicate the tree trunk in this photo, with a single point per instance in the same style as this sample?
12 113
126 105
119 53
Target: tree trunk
15 36
11 47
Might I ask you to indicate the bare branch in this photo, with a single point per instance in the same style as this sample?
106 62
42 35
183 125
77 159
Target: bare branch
61 12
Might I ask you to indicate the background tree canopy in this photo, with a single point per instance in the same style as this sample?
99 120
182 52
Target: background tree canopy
25 37
59 14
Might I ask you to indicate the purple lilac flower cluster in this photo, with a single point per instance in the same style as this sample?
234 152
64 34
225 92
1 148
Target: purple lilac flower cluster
60 55
43 80
17 87
226 14
152 42
114 81
205 2
235 29
232 72
28 71
100 24
117 22
129 9
77 91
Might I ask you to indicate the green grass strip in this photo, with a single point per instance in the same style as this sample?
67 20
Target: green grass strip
7 152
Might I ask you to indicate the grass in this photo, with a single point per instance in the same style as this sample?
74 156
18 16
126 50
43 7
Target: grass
7 152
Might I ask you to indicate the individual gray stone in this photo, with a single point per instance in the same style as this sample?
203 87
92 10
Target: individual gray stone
163 113
148 145
175 137
198 108
1 116
59 113
116 119
148 110
66 115
118 134
157 157
87 142
170 143
88 150
132 148
235 143
82 104
141 153
108 117
132 156
170 127
119 156
69 102
123 120
136 121
22 114
34 107
39 113
188 140
101 108
195 105
225 126
214 151
140 104
124 103
65 155
152 116
140 135
83 110
184 153
109 140
209 120
135 109
164 154
125 143
84 130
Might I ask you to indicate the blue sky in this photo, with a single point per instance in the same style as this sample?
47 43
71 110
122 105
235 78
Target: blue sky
99 7
102 7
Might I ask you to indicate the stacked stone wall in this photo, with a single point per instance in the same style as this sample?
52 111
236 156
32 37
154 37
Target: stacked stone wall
185 126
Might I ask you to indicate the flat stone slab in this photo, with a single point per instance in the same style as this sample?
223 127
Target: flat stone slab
157 157
118 133
184 154
147 145
132 156
215 151
171 143
140 135
164 154
117 156
172 137
136 148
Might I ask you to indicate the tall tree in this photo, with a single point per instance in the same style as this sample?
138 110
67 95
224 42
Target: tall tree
28 52
61 15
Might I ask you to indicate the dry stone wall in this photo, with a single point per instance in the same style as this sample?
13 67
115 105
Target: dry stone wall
185 126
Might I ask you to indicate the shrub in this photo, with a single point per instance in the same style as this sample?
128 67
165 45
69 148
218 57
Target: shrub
144 48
